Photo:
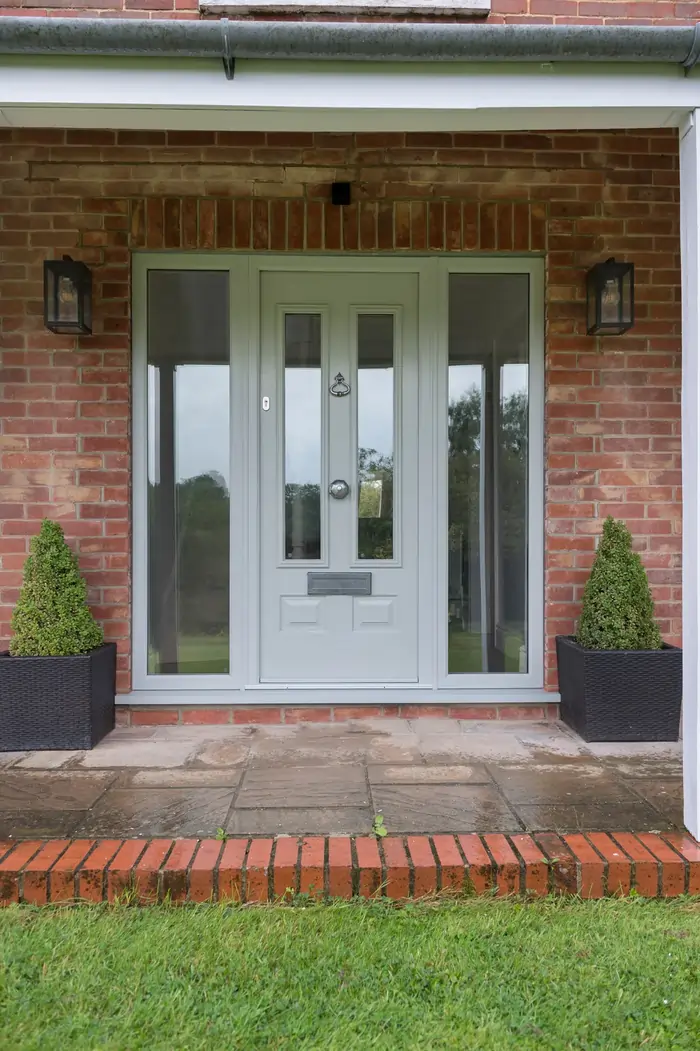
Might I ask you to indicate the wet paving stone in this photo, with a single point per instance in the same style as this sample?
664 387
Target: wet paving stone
303 786
443 808
40 824
592 817
299 821
417 774
549 783
129 812
54 790
665 796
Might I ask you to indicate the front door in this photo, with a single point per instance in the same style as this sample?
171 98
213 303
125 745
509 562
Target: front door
338 492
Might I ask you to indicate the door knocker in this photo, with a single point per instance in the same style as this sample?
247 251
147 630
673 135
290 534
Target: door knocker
339 388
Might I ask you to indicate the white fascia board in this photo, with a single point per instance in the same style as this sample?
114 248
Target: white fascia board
340 96
477 8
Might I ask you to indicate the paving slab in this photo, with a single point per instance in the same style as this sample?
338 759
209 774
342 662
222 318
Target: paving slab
536 783
223 777
40 824
299 821
124 812
232 752
8 758
303 786
665 796
417 774
598 817
472 748
147 754
51 790
443 808
47 760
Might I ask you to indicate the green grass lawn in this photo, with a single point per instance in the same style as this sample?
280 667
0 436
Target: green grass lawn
486 975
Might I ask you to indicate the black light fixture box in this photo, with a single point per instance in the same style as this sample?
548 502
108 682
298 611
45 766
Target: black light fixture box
67 297
610 298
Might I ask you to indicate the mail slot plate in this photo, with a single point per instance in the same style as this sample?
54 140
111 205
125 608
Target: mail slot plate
339 584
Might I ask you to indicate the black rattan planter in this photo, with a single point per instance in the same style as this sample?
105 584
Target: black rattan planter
57 702
620 695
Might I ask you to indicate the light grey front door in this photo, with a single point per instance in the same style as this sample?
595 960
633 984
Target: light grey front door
338 478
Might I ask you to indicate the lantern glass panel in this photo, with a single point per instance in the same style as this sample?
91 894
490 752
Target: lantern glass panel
67 301
626 312
610 301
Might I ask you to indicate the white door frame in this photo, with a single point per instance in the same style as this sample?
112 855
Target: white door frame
433 682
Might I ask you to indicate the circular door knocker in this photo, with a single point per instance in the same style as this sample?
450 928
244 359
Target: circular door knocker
339 388
339 489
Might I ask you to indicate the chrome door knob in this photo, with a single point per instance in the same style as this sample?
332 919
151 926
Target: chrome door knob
339 489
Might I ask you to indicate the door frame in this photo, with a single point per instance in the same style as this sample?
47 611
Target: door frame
245 270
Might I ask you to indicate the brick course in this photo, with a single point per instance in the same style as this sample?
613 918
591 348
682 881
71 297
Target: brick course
553 12
613 405
262 870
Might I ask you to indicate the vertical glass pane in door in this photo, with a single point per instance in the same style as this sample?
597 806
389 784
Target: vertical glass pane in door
302 436
488 473
188 472
375 436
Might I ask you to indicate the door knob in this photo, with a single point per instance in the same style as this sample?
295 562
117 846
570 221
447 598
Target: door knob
339 489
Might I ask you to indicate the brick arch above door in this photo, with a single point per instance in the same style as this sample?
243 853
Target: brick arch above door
278 225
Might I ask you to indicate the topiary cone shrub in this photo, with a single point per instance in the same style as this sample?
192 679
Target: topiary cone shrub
52 617
617 612
618 681
58 682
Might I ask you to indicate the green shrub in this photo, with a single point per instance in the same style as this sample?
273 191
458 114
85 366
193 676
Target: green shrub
52 618
618 610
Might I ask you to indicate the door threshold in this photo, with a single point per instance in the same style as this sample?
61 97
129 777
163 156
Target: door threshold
337 696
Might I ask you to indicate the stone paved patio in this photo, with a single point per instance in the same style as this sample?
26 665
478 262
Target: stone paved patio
425 775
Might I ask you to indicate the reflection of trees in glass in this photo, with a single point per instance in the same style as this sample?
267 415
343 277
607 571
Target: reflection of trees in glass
203 554
508 477
375 536
302 515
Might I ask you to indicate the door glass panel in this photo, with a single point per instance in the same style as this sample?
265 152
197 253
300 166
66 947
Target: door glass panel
188 472
375 436
302 436
488 473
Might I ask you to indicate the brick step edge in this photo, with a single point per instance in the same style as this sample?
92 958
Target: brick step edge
273 714
147 871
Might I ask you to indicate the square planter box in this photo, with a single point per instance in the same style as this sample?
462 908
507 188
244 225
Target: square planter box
57 702
620 695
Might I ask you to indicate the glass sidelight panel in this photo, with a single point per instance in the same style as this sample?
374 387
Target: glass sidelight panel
302 436
488 473
188 472
375 436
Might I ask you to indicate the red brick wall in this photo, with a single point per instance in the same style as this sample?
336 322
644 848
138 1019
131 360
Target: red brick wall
613 405
608 12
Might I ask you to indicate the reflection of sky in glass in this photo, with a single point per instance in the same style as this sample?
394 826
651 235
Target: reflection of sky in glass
202 443
375 410
302 426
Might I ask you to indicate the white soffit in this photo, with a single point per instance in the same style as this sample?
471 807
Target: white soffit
326 96
476 8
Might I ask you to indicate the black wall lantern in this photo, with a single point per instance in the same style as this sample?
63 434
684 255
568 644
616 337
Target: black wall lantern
67 297
610 298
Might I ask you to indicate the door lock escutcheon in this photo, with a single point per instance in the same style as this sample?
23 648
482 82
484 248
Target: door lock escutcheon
339 489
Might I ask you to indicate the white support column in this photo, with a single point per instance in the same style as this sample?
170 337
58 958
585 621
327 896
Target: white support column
690 263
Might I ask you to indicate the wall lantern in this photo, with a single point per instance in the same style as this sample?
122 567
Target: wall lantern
67 296
610 298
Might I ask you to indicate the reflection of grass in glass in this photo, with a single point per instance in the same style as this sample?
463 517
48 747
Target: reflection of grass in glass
465 652
197 655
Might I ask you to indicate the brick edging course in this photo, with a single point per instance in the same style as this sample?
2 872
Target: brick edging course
249 715
144 871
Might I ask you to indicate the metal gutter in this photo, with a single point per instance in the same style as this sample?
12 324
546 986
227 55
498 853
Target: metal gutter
348 41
